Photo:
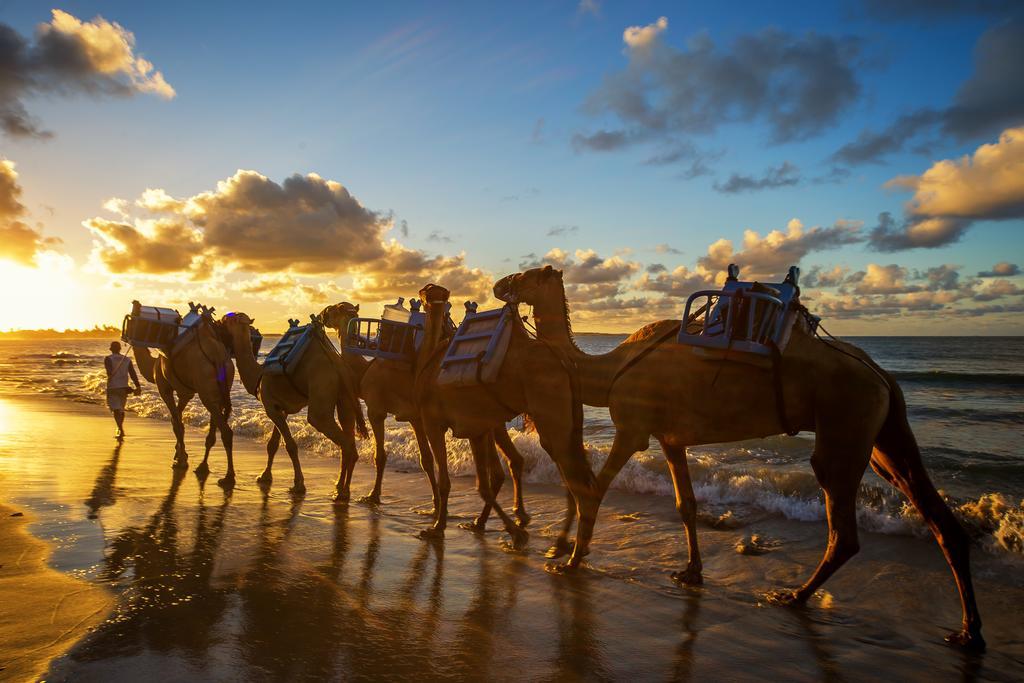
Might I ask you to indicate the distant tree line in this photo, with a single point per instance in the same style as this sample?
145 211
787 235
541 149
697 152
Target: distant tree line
97 332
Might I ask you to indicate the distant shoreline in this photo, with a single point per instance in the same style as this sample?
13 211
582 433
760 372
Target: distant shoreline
30 335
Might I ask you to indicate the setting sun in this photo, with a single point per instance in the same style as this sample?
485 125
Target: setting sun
45 296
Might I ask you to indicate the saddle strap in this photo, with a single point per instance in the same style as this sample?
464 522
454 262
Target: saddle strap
780 398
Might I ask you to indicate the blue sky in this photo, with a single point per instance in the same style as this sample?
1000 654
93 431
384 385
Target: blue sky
459 120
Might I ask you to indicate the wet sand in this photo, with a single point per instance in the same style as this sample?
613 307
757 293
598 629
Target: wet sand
252 586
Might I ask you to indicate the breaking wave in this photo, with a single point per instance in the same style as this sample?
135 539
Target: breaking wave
740 482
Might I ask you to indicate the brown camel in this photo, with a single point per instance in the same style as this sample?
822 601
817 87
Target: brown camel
201 366
834 389
534 381
386 386
320 381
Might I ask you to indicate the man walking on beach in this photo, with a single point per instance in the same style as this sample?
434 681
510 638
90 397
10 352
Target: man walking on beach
119 368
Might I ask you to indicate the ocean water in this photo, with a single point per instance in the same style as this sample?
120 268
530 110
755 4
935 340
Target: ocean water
965 398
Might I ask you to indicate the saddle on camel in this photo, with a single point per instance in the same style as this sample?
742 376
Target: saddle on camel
192 359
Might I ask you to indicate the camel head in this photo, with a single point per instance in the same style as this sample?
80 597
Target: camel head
527 287
432 295
337 316
236 324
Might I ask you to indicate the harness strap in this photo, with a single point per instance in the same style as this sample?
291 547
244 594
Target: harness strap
488 388
780 398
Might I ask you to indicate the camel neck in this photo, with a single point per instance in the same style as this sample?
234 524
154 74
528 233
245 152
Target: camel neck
433 330
596 372
249 369
356 363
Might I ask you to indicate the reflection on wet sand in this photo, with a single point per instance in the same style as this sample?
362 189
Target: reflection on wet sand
103 494
260 586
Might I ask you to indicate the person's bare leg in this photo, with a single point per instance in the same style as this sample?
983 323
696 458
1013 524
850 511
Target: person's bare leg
119 421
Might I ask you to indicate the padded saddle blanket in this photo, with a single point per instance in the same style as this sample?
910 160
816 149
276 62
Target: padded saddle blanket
286 354
478 349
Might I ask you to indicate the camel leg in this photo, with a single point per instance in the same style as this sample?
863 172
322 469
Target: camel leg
345 435
485 458
562 544
203 468
426 459
583 487
219 419
686 504
439 449
617 458
839 461
490 468
515 467
322 419
280 420
897 459
380 458
267 477
180 455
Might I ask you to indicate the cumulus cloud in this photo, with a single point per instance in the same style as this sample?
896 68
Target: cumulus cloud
816 276
797 85
586 266
679 283
69 56
771 255
783 175
989 101
998 289
288 289
1001 269
18 242
949 196
249 223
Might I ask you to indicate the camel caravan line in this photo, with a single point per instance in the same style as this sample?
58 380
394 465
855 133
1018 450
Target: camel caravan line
746 361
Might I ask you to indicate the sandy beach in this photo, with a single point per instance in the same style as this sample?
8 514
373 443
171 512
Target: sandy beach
173 578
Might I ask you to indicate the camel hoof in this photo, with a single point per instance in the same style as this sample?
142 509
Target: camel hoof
691 576
519 538
227 482
431 533
967 640
202 469
561 548
298 489
264 481
784 597
475 526
179 464
560 568
522 518
370 499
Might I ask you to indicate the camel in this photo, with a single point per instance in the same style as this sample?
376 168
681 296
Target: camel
386 386
320 381
534 381
201 366
832 388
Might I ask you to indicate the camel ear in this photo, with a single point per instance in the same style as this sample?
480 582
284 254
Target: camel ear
357 308
547 269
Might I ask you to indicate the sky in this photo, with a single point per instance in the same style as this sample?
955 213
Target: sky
274 159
